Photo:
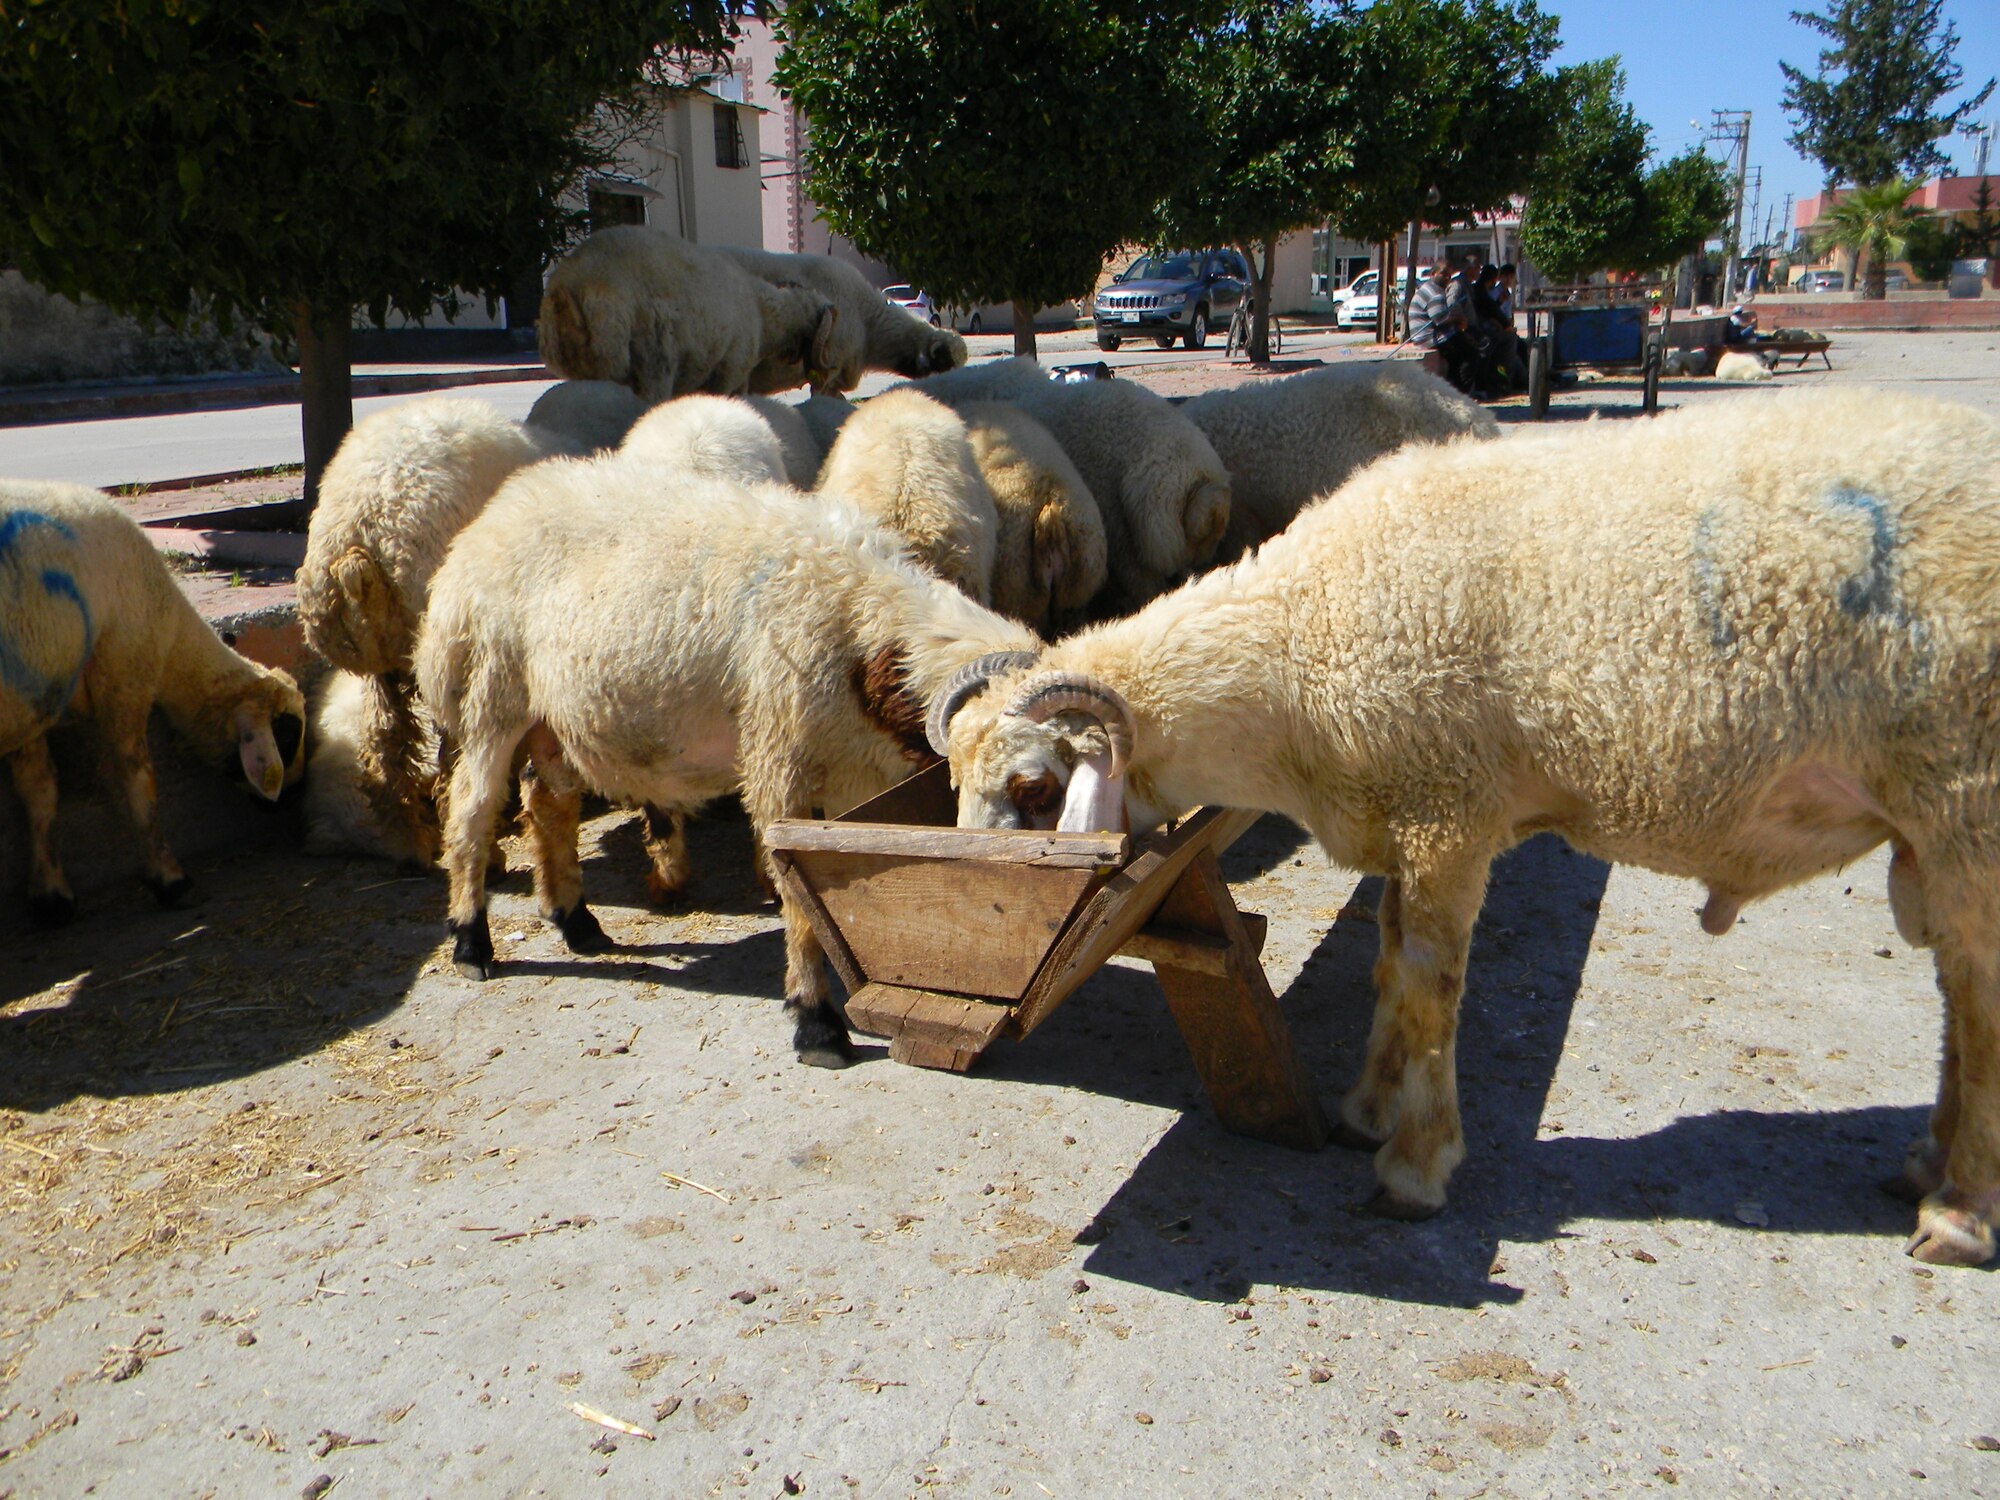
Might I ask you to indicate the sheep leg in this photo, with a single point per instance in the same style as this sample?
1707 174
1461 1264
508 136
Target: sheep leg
1956 1220
50 901
773 790
664 832
128 766
1437 906
552 808
1368 1113
479 778
1923 1169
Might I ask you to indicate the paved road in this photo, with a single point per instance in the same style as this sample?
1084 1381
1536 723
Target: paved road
126 450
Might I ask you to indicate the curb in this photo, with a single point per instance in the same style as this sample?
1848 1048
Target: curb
39 409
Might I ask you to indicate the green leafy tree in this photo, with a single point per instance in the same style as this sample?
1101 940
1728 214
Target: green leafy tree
1876 223
1870 113
1449 108
1587 209
996 150
1686 202
1273 90
285 162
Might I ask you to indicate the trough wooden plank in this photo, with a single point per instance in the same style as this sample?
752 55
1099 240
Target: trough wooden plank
927 1029
1231 1022
1189 948
1013 846
926 798
794 890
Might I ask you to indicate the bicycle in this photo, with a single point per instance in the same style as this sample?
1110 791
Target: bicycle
1239 333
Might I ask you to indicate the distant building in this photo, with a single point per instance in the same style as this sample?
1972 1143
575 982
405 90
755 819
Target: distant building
1953 198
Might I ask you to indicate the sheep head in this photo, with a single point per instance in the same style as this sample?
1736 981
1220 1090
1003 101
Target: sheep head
268 725
1051 752
936 350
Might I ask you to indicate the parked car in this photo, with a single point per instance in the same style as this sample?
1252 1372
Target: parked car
1180 295
1364 299
917 304
1823 281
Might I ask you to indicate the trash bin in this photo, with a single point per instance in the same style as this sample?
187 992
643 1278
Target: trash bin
1968 278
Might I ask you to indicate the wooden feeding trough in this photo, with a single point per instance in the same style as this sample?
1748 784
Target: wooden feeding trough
950 938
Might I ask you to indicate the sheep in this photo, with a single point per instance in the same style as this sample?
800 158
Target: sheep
1684 362
668 650
824 416
1287 442
721 437
399 488
581 417
905 462
351 796
1740 364
1745 643
870 334
995 380
91 619
1048 555
649 310
1162 490
802 448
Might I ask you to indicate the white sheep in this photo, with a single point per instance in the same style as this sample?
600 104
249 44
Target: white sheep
666 650
870 334
905 462
352 798
651 310
824 416
1049 551
1741 364
1287 442
991 380
721 437
92 621
1162 490
1745 643
580 417
803 450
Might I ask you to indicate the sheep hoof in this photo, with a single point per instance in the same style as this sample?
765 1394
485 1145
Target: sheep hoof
1387 1205
1949 1236
1344 1134
52 909
820 1037
472 948
170 893
1921 1174
580 930
663 892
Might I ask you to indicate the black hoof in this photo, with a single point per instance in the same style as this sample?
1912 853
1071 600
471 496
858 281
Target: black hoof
580 930
170 893
820 1037
1344 1134
1386 1205
472 948
52 909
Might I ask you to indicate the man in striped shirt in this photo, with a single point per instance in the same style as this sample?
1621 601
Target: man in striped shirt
1440 314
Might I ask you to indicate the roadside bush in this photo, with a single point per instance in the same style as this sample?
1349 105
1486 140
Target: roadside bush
45 339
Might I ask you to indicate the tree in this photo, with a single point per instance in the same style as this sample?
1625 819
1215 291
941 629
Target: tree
998 150
1685 203
1281 152
1586 210
1449 107
1870 112
1876 222
286 163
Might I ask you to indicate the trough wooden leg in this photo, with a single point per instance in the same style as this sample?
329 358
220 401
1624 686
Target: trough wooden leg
1241 1046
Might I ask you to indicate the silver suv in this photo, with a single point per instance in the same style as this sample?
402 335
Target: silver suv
1179 295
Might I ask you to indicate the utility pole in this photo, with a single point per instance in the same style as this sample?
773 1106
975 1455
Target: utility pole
1756 202
1785 228
1733 126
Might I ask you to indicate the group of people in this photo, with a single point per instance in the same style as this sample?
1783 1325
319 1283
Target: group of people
1462 315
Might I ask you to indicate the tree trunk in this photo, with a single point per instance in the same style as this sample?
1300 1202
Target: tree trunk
326 387
1024 330
1385 294
1410 271
1260 299
1875 279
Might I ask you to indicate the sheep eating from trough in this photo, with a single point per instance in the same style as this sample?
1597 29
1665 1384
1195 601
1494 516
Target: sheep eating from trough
91 620
1048 555
905 462
667 317
1287 442
870 333
666 649
1159 485
1744 643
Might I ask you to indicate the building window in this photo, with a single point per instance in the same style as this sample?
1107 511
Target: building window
729 148
609 208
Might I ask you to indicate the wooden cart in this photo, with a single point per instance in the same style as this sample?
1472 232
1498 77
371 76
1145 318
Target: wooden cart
1602 327
951 938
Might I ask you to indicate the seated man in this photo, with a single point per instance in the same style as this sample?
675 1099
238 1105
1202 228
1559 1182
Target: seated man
1741 327
1440 315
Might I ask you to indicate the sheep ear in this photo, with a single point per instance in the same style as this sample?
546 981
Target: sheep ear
1095 801
1051 547
1207 518
258 748
822 343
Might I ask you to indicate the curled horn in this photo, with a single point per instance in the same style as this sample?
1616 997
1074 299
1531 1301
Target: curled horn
966 681
1051 694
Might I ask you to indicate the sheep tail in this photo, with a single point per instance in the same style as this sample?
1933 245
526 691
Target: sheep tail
355 618
564 338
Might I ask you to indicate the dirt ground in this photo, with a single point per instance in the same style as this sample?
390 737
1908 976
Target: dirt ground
286 1205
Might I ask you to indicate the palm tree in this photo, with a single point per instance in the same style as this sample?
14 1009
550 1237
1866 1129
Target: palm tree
1877 220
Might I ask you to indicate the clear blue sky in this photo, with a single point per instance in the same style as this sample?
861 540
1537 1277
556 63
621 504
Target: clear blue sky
1686 58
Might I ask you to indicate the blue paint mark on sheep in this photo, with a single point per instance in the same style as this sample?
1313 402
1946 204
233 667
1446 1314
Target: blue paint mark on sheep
1709 584
16 522
1872 591
49 696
